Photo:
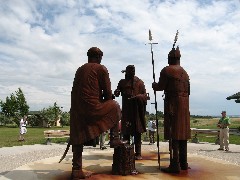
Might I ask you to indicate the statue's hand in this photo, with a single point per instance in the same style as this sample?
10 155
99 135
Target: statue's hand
154 85
117 92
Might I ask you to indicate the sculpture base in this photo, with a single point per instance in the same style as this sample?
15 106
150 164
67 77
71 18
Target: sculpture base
124 160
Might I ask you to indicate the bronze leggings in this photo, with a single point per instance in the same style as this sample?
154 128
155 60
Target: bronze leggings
179 152
77 157
137 141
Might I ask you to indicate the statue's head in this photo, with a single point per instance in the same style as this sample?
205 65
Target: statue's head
94 54
130 71
174 56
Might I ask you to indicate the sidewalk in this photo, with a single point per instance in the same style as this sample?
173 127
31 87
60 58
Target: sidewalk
99 163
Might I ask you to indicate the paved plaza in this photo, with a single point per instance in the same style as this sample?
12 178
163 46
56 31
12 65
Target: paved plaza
99 163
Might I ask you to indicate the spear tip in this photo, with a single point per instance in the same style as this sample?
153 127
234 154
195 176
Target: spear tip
150 35
175 39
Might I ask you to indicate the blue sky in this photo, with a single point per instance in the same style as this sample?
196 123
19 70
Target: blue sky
43 42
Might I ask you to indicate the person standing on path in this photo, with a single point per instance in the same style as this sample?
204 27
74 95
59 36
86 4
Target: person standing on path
152 128
102 140
223 124
23 128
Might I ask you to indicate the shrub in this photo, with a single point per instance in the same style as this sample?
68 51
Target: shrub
195 121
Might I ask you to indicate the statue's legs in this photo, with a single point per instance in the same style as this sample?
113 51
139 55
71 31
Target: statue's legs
183 154
174 166
126 137
114 137
138 144
77 172
174 163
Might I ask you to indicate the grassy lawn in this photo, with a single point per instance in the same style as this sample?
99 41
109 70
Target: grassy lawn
211 124
9 135
233 139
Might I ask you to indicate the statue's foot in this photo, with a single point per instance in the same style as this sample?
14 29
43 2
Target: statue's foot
78 174
103 147
138 157
185 166
171 170
134 172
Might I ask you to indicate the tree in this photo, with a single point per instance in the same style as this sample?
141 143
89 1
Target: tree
15 106
65 119
10 106
2 119
152 116
160 114
22 106
34 120
50 114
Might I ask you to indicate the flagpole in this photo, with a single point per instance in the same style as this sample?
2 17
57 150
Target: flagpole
155 96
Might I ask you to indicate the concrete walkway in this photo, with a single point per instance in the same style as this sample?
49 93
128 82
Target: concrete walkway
99 163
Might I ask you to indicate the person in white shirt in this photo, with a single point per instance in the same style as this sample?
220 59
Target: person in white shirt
152 128
102 140
23 128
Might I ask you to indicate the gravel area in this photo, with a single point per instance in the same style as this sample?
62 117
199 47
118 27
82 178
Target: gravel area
13 157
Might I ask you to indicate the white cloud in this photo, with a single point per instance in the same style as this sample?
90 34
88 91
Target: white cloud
42 43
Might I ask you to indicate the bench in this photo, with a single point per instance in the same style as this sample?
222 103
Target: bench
195 132
50 134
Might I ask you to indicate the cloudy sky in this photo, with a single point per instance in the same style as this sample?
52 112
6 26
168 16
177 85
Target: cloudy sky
43 42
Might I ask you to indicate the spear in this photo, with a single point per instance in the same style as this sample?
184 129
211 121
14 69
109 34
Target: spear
155 96
175 39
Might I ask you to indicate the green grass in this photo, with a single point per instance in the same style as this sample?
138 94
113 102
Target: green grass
211 124
9 136
233 139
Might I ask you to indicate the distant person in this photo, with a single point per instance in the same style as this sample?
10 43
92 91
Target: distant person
92 109
102 140
120 127
223 124
23 128
152 128
175 82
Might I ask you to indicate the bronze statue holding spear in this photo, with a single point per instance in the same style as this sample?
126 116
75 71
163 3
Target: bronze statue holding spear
175 82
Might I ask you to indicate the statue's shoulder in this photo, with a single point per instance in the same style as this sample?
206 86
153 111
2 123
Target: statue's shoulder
100 68
137 79
122 81
165 69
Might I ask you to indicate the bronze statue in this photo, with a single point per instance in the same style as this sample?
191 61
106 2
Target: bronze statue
134 100
92 109
174 80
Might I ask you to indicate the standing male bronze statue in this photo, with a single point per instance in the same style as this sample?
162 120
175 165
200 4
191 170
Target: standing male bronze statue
134 100
92 109
174 80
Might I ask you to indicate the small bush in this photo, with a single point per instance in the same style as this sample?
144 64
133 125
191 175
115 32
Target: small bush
12 125
195 121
